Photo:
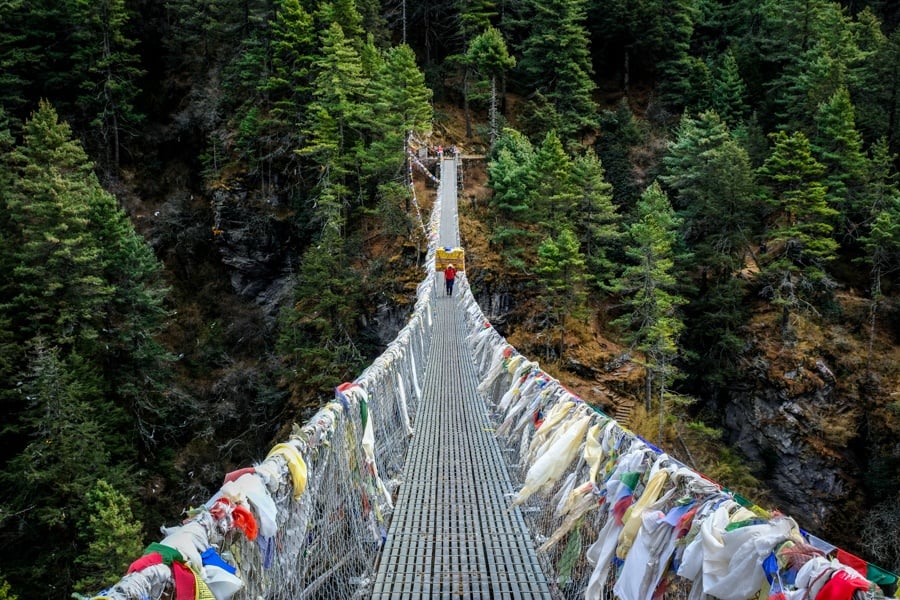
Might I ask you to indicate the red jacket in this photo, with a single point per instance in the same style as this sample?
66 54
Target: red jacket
449 273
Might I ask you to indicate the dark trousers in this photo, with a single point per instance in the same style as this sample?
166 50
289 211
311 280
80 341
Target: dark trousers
449 285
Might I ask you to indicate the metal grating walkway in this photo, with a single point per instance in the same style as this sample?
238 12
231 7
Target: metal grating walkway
451 535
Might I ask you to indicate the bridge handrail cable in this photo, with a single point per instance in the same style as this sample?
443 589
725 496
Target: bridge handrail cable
308 520
603 504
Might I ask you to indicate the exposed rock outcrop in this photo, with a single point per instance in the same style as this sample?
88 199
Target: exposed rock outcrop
253 237
799 427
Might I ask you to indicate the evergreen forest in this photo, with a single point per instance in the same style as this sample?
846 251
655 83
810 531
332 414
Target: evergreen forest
208 220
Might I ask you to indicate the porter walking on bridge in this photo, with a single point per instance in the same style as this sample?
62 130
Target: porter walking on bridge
449 278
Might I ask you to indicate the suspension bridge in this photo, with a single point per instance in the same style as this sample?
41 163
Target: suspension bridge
454 467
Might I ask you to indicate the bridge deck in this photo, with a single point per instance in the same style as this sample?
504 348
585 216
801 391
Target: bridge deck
451 535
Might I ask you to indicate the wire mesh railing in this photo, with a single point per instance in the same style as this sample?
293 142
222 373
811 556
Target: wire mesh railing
613 516
310 519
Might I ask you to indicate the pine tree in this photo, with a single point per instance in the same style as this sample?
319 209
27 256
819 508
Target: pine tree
9 345
473 17
334 115
20 59
882 180
374 22
729 91
399 105
679 71
556 62
838 146
36 58
293 52
811 48
72 434
878 97
257 98
688 155
247 89
134 364
476 16
316 330
200 27
620 133
561 276
107 61
79 276
56 287
7 143
882 247
597 221
653 36
799 237
289 85
715 190
713 181
647 285
344 14
552 196
111 537
714 23
879 230
489 56
432 26
509 175
628 35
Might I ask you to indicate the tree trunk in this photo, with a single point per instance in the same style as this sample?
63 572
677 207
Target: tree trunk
873 314
493 109
107 52
547 337
115 129
407 174
662 404
562 338
892 113
466 104
648 400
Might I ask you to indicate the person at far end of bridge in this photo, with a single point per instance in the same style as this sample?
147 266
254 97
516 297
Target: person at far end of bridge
449 277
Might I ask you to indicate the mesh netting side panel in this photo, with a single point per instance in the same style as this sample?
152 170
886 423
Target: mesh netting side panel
330 485
503 375
561 544
604 507
391 455
336 530
328 537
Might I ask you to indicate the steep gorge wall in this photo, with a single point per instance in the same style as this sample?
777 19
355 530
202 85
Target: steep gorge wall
801 444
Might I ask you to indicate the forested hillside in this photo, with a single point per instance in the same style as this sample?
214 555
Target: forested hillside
208 223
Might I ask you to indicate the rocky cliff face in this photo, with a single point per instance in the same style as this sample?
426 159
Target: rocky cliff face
253 237
797 426
815 416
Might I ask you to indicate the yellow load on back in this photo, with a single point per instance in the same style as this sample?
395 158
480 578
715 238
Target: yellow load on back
448 256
